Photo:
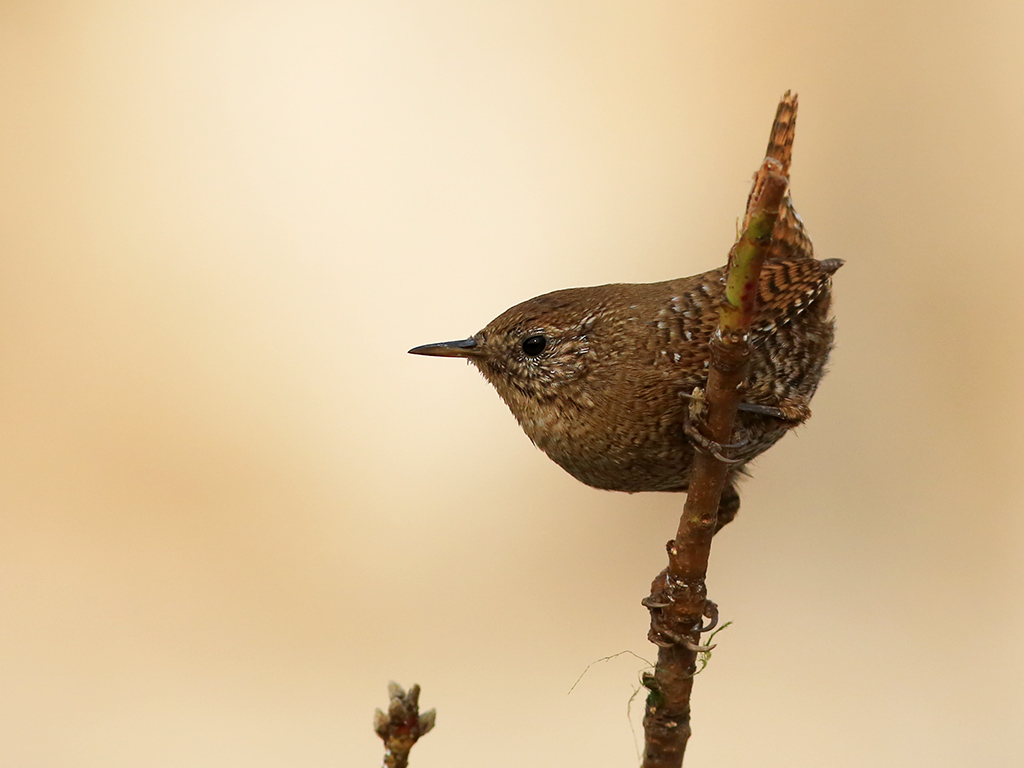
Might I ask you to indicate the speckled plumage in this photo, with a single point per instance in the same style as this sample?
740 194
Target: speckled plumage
604 398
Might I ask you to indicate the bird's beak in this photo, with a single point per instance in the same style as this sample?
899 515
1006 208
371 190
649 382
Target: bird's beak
461 348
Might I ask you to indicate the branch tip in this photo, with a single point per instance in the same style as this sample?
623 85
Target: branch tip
403 725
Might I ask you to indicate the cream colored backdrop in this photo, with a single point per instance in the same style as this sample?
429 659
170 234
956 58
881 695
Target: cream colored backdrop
232 507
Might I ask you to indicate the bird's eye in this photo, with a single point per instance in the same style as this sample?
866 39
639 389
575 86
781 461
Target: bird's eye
534 345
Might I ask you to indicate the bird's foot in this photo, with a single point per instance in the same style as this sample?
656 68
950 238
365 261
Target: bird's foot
664 637
720 451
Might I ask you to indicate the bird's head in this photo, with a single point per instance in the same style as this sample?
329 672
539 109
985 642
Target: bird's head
534 353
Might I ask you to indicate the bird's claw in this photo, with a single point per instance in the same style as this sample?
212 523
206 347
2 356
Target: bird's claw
666 638
653 602
710 612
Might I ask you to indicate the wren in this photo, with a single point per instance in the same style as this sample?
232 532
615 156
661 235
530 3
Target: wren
600 378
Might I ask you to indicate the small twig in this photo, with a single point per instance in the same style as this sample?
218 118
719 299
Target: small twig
403 724
678 600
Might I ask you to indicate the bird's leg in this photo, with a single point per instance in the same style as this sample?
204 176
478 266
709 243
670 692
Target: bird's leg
789 410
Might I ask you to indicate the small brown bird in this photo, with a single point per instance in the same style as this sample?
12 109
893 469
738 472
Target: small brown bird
599 378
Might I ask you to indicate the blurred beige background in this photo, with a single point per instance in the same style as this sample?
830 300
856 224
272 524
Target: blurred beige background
232 508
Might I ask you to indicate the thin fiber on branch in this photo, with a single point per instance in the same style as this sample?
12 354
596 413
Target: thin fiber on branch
678 600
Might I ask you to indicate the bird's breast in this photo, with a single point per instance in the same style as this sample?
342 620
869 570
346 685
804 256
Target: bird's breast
624 435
